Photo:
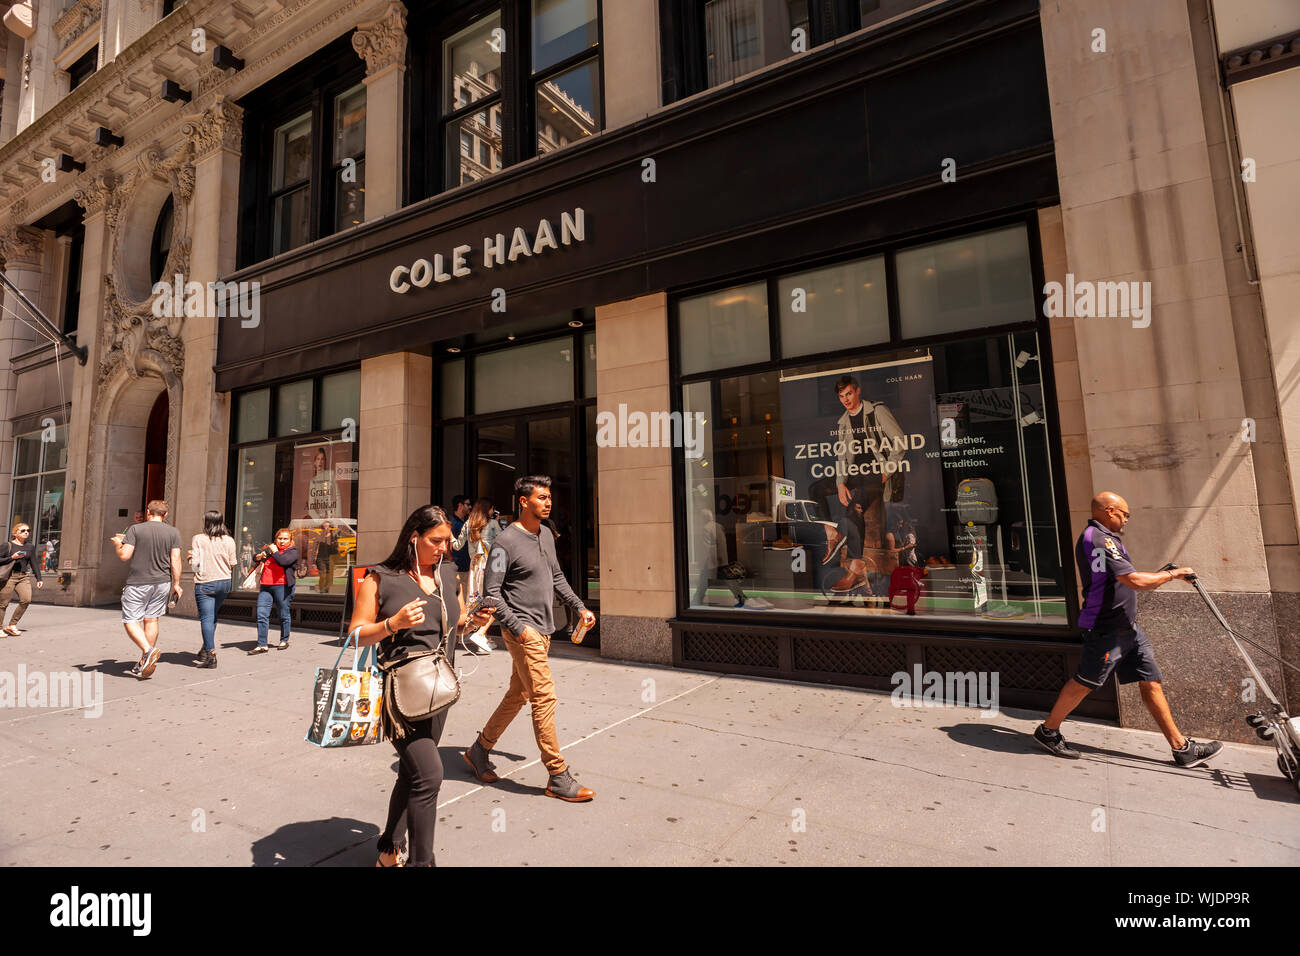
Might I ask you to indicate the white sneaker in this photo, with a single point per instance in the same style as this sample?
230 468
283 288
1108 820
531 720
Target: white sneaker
480 641
759 604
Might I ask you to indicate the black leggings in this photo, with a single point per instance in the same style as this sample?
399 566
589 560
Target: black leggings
415 794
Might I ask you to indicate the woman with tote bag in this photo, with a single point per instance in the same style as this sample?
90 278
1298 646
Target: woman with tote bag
410 605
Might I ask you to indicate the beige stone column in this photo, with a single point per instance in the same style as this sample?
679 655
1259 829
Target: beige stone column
1164 401
631 53
637 593
21 248
76 547
215 140
382 44
396 434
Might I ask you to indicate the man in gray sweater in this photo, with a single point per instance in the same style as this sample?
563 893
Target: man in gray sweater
522 577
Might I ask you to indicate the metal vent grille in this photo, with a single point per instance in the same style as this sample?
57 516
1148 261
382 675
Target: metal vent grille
723 647
317 615
1020 669
849 657
236 611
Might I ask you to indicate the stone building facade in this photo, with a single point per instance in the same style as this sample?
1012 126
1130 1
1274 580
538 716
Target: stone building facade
1119 156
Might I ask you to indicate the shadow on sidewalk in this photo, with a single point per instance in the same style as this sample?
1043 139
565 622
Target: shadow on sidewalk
317 842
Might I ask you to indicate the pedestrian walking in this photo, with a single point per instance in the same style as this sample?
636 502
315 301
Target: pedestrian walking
18 570
408 604
460 509
153 549
477 534
212 558
523 576
1112 640
276 584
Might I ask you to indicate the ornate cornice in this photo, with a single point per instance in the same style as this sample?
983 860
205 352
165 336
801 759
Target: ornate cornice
382 43
220 126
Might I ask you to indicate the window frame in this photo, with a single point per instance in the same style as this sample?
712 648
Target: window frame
779 362
310 87
236 448
41 475
427 175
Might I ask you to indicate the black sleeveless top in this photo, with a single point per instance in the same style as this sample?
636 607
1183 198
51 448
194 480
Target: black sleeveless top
396 590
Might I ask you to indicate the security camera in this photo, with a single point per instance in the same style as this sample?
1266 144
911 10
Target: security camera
1029 419
1024 358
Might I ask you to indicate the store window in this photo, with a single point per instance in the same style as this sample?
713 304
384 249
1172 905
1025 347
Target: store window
971 282
304 174
483 103
305 479
724 329
893 481
36 498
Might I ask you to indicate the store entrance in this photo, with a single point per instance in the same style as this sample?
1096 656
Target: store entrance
545 443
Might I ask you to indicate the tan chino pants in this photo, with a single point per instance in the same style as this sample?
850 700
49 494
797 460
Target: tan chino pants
530 682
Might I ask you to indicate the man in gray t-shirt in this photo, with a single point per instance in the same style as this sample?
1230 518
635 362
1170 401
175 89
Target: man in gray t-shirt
521 580
153 549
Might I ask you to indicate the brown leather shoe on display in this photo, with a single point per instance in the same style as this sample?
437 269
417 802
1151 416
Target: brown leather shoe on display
855 575
834 541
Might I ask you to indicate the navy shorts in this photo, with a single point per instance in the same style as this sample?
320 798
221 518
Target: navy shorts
1126 651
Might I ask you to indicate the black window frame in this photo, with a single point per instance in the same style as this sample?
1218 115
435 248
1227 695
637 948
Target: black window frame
310 87
427 29
83 68
682 40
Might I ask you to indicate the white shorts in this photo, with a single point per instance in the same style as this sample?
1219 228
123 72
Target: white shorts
140 601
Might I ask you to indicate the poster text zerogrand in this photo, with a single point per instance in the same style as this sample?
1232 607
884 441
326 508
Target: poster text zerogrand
858 446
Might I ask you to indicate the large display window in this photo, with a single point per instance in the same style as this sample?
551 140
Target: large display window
305 480
36 497
889 480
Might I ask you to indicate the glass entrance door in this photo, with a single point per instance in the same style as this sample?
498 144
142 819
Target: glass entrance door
506 449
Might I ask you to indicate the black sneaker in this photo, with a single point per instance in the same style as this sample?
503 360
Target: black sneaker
1194 754
202 659
259 649
1054 743
210 663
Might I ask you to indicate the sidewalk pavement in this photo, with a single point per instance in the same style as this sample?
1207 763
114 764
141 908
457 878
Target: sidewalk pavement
209 767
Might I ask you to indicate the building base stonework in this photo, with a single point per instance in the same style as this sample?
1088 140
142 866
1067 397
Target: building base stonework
1203 673
645 639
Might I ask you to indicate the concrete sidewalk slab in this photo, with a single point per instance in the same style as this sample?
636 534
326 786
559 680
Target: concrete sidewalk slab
209 768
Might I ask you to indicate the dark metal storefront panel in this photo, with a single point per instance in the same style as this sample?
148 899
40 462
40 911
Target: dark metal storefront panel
839 148
1030 673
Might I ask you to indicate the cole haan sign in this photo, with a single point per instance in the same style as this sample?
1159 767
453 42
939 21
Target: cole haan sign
496 251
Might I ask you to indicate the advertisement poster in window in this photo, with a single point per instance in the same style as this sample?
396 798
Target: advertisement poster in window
322 522
862 451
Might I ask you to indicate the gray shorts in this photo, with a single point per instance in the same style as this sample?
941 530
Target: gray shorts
140 601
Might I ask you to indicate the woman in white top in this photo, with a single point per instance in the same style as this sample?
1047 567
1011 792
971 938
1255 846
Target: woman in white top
213 559
479 531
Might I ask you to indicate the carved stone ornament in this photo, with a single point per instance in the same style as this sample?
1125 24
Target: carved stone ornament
131 332
80 17
95 191
382 43
220 126
20 243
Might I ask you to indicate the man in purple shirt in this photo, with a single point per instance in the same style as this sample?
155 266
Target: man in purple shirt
1112 640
